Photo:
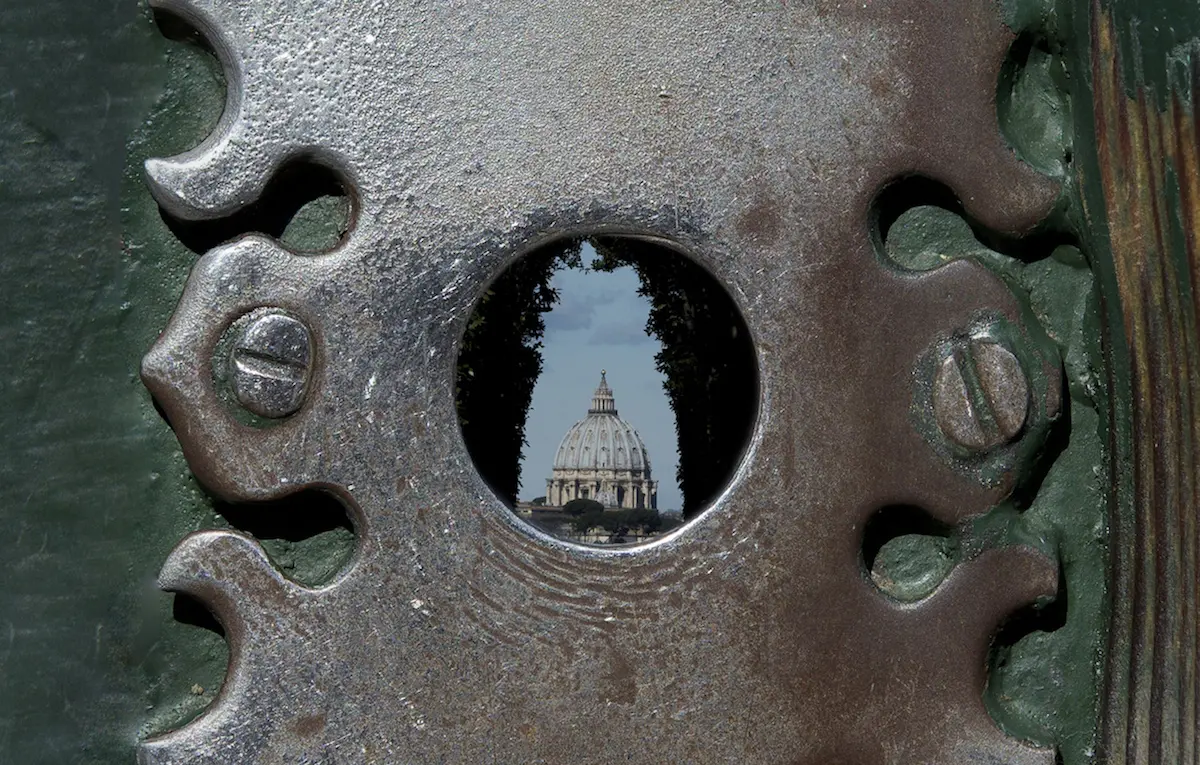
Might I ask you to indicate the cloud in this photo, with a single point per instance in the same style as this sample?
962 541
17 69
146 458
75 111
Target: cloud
631 331
577 309
571 315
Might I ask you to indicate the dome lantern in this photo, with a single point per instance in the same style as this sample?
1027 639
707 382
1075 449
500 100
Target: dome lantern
602 400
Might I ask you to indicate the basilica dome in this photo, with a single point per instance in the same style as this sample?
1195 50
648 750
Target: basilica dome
603 458
602 440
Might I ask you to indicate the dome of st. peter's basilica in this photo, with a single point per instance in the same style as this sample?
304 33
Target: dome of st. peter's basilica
602 457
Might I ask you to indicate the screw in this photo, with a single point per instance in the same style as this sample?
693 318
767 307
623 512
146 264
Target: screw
272 362
981 395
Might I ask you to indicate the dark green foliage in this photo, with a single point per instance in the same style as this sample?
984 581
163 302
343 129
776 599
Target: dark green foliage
587 521
706 357
669 522
582 506
648 521
500 361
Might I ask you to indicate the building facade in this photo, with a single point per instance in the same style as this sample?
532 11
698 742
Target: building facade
602 458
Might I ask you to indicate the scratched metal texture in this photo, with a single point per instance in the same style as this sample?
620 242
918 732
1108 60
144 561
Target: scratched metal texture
752 140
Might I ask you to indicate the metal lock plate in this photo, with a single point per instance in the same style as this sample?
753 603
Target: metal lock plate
753 138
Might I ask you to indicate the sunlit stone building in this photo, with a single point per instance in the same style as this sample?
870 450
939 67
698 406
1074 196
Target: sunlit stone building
602 458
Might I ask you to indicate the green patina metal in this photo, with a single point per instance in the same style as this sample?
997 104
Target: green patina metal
95 491
1155 41
1043 686
1136 64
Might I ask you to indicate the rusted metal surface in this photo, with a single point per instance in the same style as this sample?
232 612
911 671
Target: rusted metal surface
753 139
1148 160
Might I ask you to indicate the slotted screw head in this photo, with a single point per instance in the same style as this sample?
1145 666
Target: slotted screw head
981 395
271 362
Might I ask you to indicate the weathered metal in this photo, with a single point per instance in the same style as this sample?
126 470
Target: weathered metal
271 364
1148 145
752 139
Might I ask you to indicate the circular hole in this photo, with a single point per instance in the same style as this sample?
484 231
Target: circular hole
607 388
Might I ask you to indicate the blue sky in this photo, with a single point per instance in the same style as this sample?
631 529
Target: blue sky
599 323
